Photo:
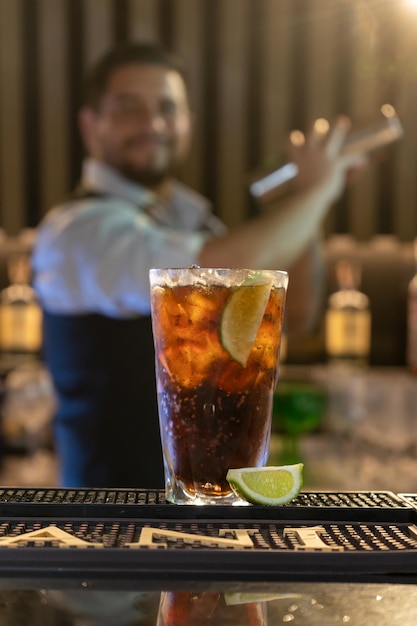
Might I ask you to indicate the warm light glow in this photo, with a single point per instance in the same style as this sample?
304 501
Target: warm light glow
387 109
413 3
297 137
321 125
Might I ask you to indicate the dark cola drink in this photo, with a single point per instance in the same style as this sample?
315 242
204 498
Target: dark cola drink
215 388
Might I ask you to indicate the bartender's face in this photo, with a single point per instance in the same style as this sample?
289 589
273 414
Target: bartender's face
142 126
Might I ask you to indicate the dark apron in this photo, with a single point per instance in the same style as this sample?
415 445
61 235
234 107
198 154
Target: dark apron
106 425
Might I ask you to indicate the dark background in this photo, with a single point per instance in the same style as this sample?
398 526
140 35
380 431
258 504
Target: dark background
257 68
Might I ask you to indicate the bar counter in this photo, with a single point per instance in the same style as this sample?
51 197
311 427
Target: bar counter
262 604
344 552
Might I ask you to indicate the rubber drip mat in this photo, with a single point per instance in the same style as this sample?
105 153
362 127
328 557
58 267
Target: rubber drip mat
409 498
219 535
120 503
197 550
136 535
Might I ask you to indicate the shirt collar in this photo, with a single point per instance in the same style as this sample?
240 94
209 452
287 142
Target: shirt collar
99 176
186 210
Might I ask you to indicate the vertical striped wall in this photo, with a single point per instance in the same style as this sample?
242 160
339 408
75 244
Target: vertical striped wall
258 69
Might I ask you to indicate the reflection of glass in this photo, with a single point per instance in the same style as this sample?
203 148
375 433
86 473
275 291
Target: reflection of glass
94 607
298 409
207 609
215 412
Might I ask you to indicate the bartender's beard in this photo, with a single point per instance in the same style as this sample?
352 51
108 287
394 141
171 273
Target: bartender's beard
147 177
155 171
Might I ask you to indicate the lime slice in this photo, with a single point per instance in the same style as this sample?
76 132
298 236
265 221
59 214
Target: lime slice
242 315
267 485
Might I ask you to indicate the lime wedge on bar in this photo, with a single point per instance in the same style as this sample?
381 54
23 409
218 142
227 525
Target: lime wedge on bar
242 315
269 485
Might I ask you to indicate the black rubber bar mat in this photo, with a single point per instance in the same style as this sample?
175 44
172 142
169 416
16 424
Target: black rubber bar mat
121 503
409 498
136 535
237 550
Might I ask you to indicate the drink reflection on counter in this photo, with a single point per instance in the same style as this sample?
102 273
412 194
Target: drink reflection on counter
206 609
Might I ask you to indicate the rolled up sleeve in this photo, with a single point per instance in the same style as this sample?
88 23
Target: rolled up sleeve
96 257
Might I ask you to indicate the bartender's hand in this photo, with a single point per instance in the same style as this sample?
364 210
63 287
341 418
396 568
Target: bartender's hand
320 160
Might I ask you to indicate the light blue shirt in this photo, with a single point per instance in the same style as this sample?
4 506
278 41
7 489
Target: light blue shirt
94 254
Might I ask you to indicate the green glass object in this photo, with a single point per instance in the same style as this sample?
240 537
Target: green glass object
298 409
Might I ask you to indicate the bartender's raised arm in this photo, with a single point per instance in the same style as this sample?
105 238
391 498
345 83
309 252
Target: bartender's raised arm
284 234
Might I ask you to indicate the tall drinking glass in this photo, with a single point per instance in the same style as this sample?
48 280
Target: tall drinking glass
217 336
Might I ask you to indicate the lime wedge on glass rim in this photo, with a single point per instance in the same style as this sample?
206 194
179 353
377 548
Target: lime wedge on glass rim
269 485
242 315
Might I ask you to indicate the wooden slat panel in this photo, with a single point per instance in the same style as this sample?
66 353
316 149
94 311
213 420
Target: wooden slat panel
313 58
254 80
98 28
31 110
231 132
328 43
74 77
188 37
120 20
12 182
365 103
143 20
322 53
54 113
277 71
404 164
323 66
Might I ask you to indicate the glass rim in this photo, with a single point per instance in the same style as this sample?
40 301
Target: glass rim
211 275
216 269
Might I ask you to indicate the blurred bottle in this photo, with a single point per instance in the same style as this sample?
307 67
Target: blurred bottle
348 317
20 313
412 317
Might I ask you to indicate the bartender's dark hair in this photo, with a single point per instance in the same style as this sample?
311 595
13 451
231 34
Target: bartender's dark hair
95 83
